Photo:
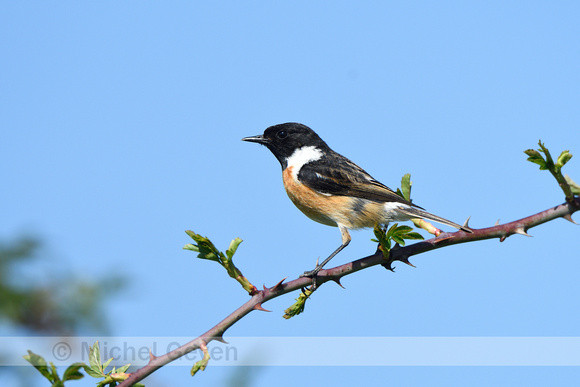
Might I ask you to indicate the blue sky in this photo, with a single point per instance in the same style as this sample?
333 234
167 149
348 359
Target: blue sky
121 127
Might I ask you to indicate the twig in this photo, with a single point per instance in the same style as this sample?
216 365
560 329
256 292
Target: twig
402 254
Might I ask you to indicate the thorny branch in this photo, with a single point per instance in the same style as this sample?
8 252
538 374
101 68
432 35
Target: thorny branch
501 231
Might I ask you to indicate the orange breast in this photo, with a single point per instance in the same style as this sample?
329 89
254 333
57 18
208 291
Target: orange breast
313 204
330 209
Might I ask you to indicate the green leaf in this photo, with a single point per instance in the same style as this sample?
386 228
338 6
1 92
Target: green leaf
95 356
298 307
72 372
536 157
106 364
383 240
191 247
233 247
108 380
204 246
201 364
400 233
92 372
414 236
544 149
564 157
402 229
405 190
406 186
397 234
54 372
123 368
549 161
574 187
40 364
95 369
554 168
398 239
207 250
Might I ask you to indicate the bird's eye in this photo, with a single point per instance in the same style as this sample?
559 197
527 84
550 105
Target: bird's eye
282 134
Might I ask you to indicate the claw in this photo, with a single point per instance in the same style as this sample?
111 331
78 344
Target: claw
311 289
312 274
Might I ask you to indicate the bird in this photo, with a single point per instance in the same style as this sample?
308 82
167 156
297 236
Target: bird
332 190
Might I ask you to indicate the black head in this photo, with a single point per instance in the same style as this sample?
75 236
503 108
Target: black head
284 139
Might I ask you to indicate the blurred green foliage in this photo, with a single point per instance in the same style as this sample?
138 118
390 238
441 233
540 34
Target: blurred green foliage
57 303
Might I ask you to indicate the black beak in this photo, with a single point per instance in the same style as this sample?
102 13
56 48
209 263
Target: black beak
259 139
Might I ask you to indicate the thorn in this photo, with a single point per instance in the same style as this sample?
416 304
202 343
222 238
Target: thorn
388 266
437 240
220 339
521 231
265 288
278 285
151 355
259 307
337 280
466 224
405 260
317 261
502 238
568 217
497 222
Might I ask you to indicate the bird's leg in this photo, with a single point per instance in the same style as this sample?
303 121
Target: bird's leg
345 241
313 272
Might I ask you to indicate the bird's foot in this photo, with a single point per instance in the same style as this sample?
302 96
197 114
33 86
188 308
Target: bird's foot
312 274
